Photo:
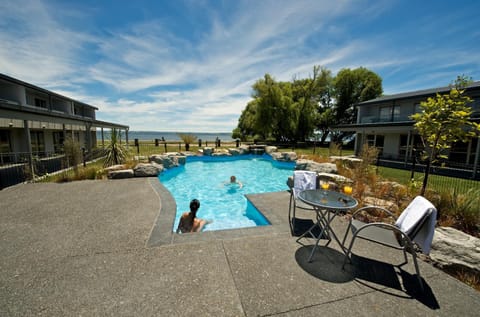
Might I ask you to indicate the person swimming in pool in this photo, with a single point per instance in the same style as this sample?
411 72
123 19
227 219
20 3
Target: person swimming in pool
233 181
189 221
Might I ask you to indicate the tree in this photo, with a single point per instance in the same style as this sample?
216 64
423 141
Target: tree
273 111
308 94
352 87
246 122
293 110
444 120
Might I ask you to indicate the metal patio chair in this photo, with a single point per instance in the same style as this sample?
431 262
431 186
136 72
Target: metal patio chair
413 229
302 180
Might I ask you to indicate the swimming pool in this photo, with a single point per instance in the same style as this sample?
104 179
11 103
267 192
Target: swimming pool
207 179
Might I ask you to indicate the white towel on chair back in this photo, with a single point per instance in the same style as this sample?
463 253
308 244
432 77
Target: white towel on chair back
303 180
412 215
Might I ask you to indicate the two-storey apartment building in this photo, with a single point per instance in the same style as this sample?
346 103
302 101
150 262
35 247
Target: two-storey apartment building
385 123
36 121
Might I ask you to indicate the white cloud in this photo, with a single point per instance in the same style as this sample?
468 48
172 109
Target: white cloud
145 74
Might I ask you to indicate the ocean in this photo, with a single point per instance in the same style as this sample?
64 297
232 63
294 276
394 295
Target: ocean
171 136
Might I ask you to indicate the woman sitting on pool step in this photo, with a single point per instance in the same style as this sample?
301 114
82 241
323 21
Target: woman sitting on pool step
189 221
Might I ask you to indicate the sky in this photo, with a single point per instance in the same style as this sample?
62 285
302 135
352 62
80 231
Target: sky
189 66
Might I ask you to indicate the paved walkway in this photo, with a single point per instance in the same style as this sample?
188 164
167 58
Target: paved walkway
96 248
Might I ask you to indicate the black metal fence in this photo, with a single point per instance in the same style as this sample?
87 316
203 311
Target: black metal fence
454 176
17 167
159 147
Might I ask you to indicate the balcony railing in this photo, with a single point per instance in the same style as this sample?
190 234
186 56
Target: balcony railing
378 119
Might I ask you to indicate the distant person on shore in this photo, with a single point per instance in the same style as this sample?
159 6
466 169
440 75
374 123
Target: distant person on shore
189 221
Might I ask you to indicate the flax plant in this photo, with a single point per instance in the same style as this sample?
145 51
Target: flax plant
115 152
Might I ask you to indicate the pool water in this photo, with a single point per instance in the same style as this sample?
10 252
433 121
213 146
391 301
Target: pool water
207 179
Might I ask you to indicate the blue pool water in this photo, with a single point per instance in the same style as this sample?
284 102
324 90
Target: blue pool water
207 179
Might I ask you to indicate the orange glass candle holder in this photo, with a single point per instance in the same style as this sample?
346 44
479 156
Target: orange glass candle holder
347 190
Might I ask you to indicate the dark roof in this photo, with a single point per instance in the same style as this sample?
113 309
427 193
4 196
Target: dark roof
23 83
417 93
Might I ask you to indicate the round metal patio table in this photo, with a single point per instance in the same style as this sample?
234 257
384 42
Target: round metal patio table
327 205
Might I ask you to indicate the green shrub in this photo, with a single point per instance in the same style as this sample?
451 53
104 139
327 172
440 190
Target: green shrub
461 211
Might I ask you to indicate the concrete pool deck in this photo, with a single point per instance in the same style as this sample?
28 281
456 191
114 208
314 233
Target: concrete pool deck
94 248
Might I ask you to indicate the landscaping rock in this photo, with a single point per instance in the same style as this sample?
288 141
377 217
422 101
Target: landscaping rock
336 181
140 158
221 153
276 156
145 170
181 159
158 166
234 151
349 161
115 167
121 174
207 151
309 165
270 149
284 156
452 248
188 153
289 156
373 201
165 160
244 149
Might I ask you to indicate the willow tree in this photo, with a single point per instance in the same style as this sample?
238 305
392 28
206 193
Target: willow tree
444 120
273 108
246 122
308 94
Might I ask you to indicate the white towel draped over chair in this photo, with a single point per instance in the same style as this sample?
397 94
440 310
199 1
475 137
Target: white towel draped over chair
417 213
302 180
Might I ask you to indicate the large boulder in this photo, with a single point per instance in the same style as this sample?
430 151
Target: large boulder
221 152
284 156
114 168
234 151
349 161
207 151
309 165
270 149
120 174
244 149
166 160
454 249
146 170
277 156
378 202
336 182
181 159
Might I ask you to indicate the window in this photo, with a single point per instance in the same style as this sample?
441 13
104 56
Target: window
396 113
58 140
5 146
40 103
416 108
385 114
77 111
38 142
